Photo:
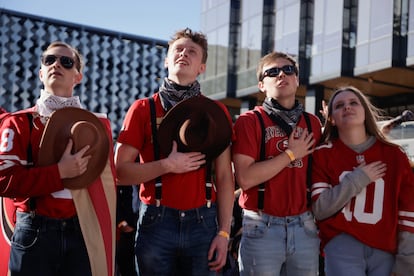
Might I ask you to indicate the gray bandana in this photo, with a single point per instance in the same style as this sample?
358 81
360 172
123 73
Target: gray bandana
172 93
290 116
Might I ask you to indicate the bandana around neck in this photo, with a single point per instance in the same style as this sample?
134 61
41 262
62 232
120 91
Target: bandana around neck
290 116
47 103
172 93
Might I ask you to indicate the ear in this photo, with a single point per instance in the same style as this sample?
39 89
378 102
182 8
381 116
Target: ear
261 87
202 68
78 78
40 75
166 62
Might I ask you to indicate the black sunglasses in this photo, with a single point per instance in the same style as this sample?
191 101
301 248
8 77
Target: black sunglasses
275 71
67 62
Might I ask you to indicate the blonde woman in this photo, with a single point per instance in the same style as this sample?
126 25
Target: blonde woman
362 192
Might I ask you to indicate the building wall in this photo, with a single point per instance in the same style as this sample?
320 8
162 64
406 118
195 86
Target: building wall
119 68
368 44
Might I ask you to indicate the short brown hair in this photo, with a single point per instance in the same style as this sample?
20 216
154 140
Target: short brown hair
197 37
78 57
270 58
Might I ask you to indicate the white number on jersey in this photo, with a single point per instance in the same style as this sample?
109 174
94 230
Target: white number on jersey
6 143
360 201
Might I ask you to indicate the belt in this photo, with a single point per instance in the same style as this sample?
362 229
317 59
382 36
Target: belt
196 213
269 219
47 223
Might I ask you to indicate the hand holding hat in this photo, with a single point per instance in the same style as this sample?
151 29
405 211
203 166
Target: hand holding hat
84 128
197 124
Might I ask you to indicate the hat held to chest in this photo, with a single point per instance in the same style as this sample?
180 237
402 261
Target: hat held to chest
84 128
197 124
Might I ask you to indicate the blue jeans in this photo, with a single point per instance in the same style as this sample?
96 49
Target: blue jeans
173 242
345 255
48 247
278 245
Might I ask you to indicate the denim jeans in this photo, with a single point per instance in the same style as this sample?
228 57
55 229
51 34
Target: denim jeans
344 255
48 247
278 245
173 242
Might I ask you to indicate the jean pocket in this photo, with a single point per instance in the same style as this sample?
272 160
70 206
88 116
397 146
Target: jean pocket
254 229
149 219
310 227
24 237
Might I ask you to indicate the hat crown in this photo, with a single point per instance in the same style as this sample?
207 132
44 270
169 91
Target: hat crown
84 128
197 124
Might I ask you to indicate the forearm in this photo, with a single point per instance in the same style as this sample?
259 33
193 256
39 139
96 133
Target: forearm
225 202
19 181
260 171
404 259
132 173
225 191
334 199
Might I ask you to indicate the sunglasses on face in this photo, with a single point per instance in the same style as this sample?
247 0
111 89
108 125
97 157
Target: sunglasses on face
275 71
67 62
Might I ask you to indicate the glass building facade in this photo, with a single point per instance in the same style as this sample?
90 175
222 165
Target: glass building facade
366 43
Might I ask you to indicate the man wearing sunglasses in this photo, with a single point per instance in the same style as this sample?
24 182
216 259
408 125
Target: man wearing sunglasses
271 158
55 234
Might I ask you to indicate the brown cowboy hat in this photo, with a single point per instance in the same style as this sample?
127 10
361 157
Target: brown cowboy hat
197 124
85 129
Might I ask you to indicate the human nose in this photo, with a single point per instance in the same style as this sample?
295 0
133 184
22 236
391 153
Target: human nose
183 52
347 106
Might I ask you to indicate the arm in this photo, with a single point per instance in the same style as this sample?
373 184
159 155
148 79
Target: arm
331 200
16 179
404 259
130 172
225 201
250 173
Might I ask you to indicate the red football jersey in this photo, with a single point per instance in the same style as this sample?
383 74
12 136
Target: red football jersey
381 209
19 182
180 191
96 204
285 193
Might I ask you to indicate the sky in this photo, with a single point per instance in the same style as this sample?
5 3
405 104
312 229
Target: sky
157 19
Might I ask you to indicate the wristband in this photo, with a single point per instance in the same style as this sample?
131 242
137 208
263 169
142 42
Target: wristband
224 234
290 154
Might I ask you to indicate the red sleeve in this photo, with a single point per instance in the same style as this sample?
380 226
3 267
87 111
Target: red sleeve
406 195
16 178
136 119
248 134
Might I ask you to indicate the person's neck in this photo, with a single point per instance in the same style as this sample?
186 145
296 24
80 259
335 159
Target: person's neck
181 81
59 92
353 136
286 102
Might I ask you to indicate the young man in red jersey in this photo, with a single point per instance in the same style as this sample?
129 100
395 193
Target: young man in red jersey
271 159
178 232
57 231
363 190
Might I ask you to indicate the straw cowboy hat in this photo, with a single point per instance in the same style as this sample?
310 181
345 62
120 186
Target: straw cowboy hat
85 129
197 124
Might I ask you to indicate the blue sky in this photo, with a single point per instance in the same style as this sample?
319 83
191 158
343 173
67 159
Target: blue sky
150 18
